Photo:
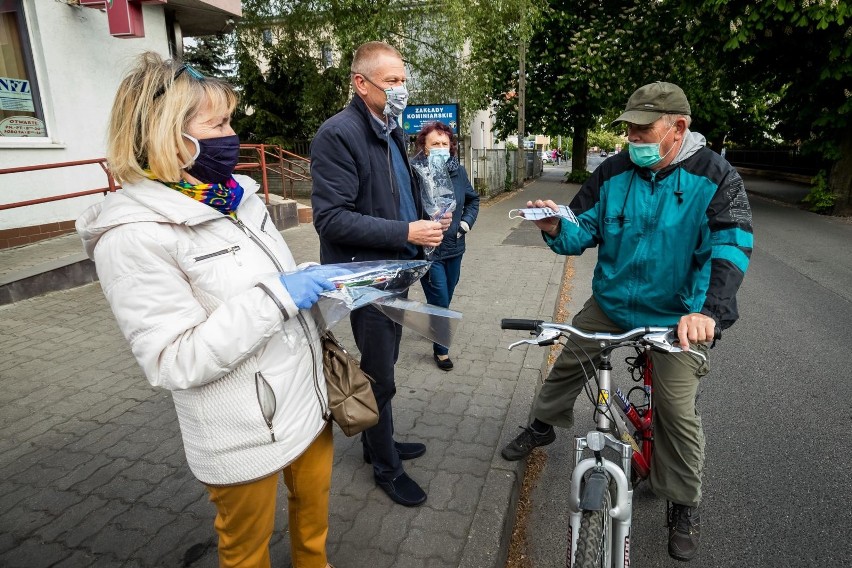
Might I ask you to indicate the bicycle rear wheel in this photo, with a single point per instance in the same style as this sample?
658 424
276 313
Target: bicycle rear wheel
594 540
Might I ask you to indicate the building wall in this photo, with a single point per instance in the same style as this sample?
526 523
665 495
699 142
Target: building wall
481 135
78 66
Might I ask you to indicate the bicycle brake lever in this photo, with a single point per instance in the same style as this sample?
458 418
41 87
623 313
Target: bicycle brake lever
546 337
661 342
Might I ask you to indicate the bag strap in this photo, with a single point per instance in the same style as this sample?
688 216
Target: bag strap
327 335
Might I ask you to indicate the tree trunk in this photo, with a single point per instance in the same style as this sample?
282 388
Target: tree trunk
717 143
579 148
840 181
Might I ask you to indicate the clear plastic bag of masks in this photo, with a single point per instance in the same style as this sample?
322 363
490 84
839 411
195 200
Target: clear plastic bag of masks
436 188
381 283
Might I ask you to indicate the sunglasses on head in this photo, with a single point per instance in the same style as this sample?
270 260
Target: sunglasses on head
185 67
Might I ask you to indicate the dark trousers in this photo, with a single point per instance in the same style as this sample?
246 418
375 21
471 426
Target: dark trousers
439 284
377 338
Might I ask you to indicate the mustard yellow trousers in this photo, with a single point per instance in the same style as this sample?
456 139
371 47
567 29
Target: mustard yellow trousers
246 513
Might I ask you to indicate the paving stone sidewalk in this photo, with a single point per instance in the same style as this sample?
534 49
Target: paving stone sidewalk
92 470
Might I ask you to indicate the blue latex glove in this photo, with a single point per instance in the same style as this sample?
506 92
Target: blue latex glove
306 285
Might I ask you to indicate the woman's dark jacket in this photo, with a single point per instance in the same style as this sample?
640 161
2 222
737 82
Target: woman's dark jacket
467 209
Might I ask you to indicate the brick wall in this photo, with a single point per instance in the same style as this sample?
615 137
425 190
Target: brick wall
24 235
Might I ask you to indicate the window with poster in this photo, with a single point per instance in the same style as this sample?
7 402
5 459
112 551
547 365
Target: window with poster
21 113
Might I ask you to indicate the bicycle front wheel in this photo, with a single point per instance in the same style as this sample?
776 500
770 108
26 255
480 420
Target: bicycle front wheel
594 540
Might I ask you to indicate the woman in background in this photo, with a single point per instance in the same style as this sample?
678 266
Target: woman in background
437 145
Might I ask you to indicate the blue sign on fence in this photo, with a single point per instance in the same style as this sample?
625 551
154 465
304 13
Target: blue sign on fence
415 117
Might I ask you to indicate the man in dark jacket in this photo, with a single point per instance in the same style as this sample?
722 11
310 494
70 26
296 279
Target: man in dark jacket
366 206
672 224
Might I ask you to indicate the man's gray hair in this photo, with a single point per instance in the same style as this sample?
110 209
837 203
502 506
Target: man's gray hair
364 61
670 119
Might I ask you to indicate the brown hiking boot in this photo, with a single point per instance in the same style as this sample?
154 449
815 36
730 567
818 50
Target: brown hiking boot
684 531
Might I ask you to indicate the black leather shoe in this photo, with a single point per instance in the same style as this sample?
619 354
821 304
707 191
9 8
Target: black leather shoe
684 531
403 490
443 364
406 451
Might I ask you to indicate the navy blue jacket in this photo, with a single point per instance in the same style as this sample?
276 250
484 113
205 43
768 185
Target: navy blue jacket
467 209
670 242
355 195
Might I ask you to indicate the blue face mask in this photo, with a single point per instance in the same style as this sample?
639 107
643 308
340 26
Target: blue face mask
646 155
438 157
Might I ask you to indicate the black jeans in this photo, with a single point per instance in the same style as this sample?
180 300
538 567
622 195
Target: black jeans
377 338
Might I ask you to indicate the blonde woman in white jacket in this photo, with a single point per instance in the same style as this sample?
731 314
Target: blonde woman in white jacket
192 265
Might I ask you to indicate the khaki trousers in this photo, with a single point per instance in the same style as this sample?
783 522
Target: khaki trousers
678 458
246 513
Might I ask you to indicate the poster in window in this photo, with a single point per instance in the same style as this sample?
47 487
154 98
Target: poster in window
15 95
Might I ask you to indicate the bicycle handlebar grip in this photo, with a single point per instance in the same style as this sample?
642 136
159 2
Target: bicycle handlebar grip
717 333
524 324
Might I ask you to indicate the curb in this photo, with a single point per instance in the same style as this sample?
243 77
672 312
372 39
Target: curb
494 520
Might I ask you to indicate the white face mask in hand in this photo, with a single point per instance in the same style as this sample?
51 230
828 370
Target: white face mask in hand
539 213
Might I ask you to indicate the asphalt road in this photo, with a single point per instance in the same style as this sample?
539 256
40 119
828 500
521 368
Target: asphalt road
776 412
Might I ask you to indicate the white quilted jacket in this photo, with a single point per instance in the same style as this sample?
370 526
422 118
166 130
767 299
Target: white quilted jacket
198 297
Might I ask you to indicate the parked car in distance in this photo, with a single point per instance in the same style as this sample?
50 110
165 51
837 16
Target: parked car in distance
603 154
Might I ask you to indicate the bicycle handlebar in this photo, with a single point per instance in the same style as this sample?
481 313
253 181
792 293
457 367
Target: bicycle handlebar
522 324
660 338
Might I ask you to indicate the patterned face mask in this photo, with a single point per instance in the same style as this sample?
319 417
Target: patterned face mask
539 213
397 100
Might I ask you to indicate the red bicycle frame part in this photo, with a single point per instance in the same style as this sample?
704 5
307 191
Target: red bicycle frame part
642 420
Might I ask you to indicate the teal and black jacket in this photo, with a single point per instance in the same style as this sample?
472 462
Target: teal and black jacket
670 242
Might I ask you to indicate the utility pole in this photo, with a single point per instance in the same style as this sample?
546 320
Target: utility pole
521 162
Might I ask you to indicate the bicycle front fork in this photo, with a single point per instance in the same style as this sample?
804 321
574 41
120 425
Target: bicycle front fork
621 513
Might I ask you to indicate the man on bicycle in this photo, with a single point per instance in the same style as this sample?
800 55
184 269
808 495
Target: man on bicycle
672 224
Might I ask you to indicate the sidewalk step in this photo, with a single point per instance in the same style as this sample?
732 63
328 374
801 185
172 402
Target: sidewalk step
59 263
46 266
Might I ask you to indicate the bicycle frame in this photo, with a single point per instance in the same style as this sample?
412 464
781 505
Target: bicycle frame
641 420
617 550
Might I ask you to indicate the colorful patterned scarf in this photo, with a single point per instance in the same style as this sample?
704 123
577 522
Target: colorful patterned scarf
224 197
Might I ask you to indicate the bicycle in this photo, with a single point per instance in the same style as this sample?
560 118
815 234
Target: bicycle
601 494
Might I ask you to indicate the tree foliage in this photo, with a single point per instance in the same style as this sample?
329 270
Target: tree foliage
212 55
584 59
295 55
756 73
287 103
800 51
606 139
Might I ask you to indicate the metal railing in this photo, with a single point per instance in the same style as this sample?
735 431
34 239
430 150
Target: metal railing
262 158
269 159
493 171
777 160
111 184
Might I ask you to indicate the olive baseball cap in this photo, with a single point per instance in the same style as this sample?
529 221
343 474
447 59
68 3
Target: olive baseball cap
648 103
